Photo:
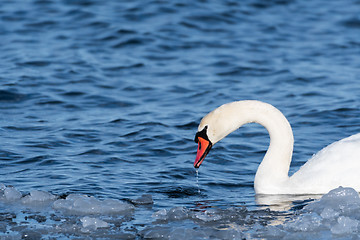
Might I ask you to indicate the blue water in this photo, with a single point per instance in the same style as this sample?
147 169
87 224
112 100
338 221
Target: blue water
104 97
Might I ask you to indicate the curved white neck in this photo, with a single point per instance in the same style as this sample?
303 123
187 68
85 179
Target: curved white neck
273 170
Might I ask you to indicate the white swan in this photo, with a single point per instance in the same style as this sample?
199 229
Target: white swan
336 165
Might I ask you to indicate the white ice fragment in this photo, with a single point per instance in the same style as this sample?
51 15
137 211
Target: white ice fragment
345 225
37 196
337 212
145 199
87 205
82 204
156 232
341 193
306 222
114 206
208 215
12 194
329 213
161 214
184 233
177 213
62 204
178 233
2 187
272 232
339 199
93 223
74 197
227 234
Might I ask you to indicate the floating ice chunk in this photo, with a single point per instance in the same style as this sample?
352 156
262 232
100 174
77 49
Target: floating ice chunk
208 215
177 213
62 204
145 199
270 232
11 193
114 206
2 187
87 205
341 194
227 234
89 222
37 196
345 225
337 212
178 233
82 204
183 233
329 213
156 232
339 199
161 214
304 223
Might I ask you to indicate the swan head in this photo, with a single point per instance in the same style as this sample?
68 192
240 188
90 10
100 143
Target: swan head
213 127
218 124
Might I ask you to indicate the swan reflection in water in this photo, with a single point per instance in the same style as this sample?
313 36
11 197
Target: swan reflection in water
284 202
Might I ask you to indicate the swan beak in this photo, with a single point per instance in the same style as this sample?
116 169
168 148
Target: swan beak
204 147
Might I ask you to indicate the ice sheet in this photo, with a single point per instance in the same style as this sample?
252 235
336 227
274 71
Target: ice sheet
40 214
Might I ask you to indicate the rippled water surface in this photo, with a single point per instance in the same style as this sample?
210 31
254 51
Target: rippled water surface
103 98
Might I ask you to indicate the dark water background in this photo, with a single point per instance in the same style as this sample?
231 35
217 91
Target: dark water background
104 97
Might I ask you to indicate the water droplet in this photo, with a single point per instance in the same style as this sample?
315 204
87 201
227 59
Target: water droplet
197 180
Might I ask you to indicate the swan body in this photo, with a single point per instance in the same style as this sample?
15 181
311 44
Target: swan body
336 165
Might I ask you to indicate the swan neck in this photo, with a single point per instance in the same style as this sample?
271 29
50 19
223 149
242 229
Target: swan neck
274 169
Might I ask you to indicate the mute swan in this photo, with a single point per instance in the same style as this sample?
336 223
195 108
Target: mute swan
336 165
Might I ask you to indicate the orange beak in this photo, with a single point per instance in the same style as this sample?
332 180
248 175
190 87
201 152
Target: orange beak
203 149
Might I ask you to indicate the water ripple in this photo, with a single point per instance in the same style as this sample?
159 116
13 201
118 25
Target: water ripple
105 97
